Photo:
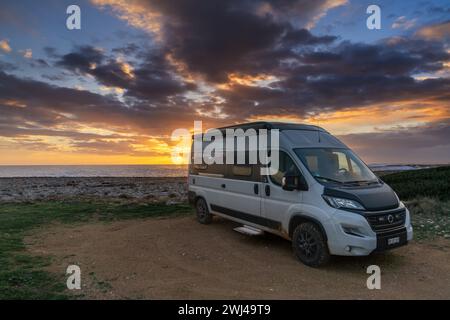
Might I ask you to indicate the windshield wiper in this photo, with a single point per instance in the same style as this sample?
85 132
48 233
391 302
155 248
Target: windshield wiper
328 179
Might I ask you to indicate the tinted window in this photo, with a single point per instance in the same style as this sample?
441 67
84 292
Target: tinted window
286 165
204 168
200 166
245 171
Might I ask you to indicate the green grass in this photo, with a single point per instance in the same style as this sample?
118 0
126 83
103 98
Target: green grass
22 275
433 183
430 217
426 193
103 286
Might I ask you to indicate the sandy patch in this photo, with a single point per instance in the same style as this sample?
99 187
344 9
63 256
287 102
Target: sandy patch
181 259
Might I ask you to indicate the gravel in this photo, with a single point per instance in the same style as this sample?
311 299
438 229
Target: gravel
170 190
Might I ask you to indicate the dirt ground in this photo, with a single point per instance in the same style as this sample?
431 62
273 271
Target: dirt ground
178 258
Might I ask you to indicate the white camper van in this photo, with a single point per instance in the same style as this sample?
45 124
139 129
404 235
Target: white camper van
323 197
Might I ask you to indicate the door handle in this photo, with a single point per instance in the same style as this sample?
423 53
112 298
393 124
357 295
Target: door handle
256 188
267 190
223 186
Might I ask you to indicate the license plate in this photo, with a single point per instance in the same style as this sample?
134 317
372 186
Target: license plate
392 241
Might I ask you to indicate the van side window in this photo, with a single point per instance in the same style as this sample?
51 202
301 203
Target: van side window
202 168
245 171
205 169
286 164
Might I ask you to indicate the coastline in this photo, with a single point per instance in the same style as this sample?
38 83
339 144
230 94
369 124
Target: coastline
169 190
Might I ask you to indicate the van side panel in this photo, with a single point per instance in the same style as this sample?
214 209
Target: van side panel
207 187
276 206
241 196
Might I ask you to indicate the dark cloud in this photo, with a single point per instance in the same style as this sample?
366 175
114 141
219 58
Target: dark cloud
34 105
51 52
38 63
295 37
212 38
153 79
348 75
421 144
209 41
13 131
7 66
298 95
82 58
218 37
128 50
403 58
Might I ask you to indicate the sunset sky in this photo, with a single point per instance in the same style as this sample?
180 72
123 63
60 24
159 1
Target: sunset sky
113 92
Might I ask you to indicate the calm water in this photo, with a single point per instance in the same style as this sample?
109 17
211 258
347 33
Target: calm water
95 171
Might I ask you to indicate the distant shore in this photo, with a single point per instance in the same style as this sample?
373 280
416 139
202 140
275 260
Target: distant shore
170 190
122 171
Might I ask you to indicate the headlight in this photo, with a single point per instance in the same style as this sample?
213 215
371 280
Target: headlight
342 203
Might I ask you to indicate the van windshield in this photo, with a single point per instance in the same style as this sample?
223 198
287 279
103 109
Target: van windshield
334 165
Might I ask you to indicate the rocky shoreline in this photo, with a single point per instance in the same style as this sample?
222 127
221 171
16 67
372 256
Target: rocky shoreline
149 189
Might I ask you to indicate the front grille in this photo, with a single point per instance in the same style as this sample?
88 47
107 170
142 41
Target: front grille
383 239
387 221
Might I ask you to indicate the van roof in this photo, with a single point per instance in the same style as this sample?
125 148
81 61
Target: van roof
309 138
274 125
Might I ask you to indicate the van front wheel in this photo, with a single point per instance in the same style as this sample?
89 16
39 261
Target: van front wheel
309 245
203 215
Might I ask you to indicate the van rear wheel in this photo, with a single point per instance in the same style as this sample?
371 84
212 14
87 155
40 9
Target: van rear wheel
309 245
203 215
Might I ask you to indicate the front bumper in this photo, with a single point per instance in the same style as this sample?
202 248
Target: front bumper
350 234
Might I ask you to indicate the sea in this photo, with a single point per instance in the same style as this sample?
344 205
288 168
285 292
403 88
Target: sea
137 170
94 171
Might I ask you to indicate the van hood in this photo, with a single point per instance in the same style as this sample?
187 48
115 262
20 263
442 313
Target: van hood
373 198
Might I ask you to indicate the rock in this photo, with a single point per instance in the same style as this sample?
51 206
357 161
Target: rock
125 189
172 202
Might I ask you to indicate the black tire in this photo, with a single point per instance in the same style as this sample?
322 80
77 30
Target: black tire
203 215
309 245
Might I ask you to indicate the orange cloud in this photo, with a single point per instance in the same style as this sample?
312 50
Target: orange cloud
135 13
323 9
27 53
296 16
12 103
4 46
371 119
435 32
53 150
248 80
403 23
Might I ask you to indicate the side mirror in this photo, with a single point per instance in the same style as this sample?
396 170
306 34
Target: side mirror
294 182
